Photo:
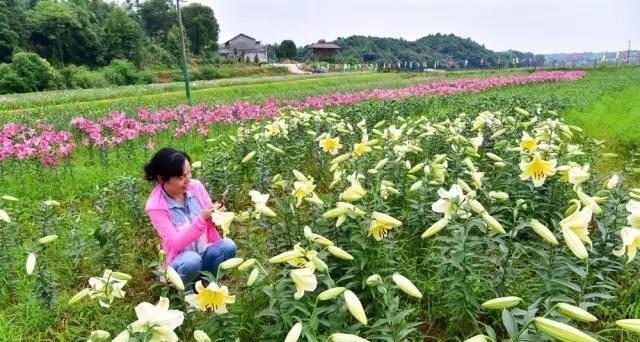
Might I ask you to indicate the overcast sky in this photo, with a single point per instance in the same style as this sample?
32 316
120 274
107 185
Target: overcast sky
539 26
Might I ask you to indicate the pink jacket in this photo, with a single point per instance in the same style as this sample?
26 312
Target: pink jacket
173 240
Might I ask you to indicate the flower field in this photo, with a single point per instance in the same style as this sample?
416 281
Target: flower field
433 212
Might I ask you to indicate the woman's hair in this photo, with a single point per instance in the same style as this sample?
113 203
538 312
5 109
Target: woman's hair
166 163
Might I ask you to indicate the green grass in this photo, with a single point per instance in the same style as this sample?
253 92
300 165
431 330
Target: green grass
614 117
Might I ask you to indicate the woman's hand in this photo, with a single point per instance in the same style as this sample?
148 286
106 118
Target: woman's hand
206 212
219 206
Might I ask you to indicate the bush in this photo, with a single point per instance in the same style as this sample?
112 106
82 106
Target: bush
146 77
80 77
154 54
121 72
34 72
207 72
10 82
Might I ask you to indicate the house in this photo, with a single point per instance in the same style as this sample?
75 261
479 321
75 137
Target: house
244 46
324 49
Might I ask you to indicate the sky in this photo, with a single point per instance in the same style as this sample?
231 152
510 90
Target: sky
539 26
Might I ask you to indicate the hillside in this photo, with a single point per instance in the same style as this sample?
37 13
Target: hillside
435 47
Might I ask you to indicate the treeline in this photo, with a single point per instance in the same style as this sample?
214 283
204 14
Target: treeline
440 48
71 39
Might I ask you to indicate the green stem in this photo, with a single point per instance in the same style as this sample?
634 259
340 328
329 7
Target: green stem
524 327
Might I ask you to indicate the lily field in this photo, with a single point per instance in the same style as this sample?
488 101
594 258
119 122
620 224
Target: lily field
468 206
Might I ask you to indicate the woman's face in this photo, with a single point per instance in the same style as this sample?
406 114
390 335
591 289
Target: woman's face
179 184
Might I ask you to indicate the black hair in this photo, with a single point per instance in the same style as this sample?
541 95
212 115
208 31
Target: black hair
166 163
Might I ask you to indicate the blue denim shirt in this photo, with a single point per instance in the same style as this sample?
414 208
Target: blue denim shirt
184 215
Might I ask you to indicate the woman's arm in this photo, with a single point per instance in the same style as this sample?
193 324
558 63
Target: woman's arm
177 240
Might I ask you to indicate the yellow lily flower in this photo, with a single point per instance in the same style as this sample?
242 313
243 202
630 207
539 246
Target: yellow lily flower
260 203
223 220
538 170
107 288
450 202
212 297
304 279
630 242
633 207
578 223
361 148
159 320
380 225
589 201
578 175
528 143
303 188
331 145
355 192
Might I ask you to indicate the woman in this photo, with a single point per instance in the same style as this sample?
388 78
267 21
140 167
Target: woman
180 209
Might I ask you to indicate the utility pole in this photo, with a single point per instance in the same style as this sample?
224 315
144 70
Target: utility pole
185 70
629 51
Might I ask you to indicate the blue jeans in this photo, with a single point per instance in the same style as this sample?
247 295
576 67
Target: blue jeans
188 264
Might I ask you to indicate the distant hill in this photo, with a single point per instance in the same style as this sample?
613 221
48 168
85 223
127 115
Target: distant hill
435 47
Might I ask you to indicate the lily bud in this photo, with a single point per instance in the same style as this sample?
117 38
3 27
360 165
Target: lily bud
231 263
374 280
629 324
406 285
174 278
294 333
331 293
502 303
339 253
573 242
31 263
201 336
576 313
544 232
347 338
493 223
78 296
435 228
499 195
253 276
48 238
561 331
355 307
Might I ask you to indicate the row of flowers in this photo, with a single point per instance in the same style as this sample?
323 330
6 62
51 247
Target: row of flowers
42 142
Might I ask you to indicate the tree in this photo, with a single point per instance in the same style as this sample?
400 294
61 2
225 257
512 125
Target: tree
64 33
174 46
122 37
8 37
201 27
287 49
157 17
